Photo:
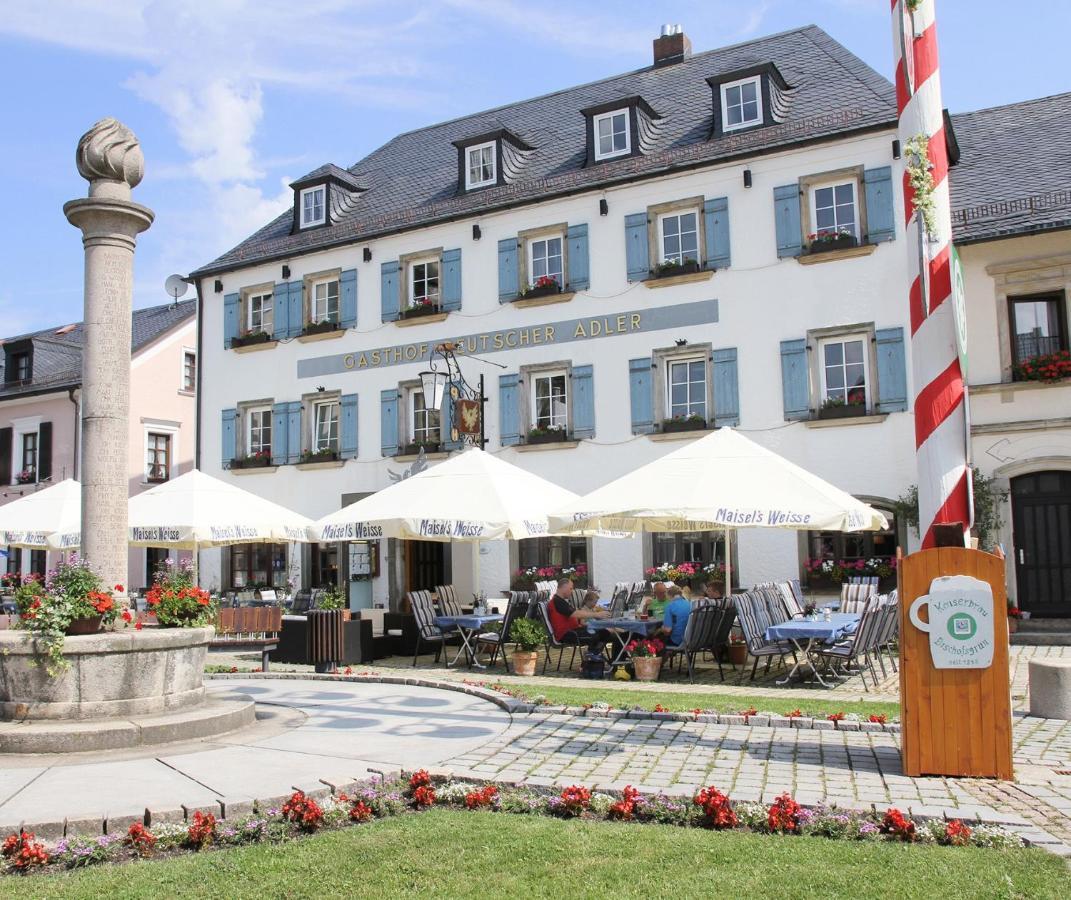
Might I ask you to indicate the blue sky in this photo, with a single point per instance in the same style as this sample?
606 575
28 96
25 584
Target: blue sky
233 99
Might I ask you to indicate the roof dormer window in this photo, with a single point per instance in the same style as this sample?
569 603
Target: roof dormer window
741 103
480 165
612 136
313 206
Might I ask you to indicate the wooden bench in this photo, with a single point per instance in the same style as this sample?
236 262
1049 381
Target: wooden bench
249 626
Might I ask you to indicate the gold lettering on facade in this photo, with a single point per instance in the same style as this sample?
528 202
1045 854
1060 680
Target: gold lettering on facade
595 328
635 321
524 338
498 344
579 333
410 351
511 334
347 360
550 333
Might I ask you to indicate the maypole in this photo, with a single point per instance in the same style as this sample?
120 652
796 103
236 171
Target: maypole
940 390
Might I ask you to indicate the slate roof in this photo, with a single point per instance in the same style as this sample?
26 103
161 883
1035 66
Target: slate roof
57 352
412 180
1014 172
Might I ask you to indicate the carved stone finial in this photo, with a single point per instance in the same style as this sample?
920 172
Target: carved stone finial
109 151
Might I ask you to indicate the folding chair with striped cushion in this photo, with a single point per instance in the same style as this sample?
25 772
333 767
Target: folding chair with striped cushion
427 631
754 615
448 602
854 594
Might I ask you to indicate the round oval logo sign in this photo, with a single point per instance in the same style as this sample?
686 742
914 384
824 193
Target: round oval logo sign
960 622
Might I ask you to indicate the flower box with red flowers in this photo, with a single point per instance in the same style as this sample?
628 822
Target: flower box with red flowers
26 476
545 286
839 408
1048 367
830 239
421 306
258 460
249 338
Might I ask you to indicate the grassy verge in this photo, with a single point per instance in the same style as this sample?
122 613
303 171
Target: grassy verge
623 698
458 854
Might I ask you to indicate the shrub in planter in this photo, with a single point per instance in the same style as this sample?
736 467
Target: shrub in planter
830 239
684 423
422 306
671 267
528 636
550 435
320 327
545 286
176 600
248 338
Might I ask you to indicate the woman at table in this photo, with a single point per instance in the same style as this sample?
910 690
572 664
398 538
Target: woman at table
569 623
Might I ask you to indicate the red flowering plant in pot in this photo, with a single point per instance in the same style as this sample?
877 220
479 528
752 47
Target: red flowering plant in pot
646 658
176 601
72 599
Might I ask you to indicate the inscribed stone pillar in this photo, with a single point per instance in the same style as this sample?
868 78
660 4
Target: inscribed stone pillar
110 159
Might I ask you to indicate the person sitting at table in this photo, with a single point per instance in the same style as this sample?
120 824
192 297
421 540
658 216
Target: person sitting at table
568 623
712 591
654 604
675 617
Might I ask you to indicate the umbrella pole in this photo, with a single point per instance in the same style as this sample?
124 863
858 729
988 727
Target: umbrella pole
728 563
196 566
476 573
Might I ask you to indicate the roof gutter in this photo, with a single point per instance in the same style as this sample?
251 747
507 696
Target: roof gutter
77 429
198 377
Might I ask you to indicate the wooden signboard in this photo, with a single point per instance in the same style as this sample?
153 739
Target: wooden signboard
955 692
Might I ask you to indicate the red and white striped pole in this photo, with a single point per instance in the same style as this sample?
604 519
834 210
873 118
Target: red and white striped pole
940 392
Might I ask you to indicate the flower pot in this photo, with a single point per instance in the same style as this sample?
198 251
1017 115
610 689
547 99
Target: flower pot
524 662
347 615
690 424
548 437
840 242
647 667
87 625
843 411
422 309
1013 625
320 328
247 340
688 267
737 654
544 291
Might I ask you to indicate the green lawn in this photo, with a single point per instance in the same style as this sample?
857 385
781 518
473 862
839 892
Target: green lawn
460 854
624 698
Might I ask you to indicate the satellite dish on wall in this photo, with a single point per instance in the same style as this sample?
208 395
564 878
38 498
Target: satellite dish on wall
176 286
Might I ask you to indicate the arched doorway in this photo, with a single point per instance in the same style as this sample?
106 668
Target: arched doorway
1041 524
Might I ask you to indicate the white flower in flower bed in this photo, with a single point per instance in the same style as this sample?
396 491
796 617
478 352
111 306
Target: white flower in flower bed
454 792
601 803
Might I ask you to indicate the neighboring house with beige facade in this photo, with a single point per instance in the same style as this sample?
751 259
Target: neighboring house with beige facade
40 397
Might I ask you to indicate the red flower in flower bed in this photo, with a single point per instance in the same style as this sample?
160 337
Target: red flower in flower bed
717 808
750 711
878 718
203 830
624 808
420 778
141 839
575 799
898 825
658 707
794 714
482 798
783 816
23 852
835 717
957 834
361 812
303 811
101 602
423 796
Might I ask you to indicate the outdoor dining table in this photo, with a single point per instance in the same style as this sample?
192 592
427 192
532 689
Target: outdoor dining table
806 634
469 627
622 629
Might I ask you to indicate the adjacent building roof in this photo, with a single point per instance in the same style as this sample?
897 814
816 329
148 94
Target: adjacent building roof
413 180
57 352
1014 172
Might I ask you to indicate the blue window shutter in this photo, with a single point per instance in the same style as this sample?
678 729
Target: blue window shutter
509 410
641 395
787 212
347 317
279 425
718 253
795 379
880 222
637 260
583 400
579 275
230 319
228 437
451 284
348 426
446 419
280 311
388 422
390 290
508 284
293 431
296 311
892 370
726 387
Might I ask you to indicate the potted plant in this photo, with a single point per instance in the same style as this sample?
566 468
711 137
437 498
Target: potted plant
645 657
26 476
1014 614
544 286
1045 367
320 327
827 239
333 599
420 306
839 408
248 338
546 435
176 601
672 267
737 650
257 460
325 454
527 636
72 601
694 422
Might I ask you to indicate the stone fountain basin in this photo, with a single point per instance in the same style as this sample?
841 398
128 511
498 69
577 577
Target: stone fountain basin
122 673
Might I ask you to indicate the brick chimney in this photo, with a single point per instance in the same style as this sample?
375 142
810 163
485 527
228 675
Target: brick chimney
672 46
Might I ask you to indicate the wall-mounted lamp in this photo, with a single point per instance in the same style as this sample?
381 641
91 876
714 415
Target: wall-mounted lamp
219 286
896 149
604 207
476 233
367 254
286 273
747 178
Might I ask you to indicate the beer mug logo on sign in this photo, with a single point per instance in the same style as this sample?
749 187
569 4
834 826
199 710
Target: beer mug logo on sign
960 622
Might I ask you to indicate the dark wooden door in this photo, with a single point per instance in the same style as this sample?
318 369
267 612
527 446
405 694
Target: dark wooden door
1041 519
426 565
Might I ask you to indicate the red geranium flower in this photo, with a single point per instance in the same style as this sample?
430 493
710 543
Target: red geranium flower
957 834
783 815
717 808
898 825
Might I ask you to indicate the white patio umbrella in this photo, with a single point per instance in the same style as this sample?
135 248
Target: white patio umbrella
49 519
721 481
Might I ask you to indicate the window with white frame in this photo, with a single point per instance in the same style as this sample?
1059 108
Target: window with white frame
480 166
313 206
260 312
612 134
424 282
258 431
189 371
28 472
741 103
157 456
550 402
844 366
545 259
680 237
424 423
686 388
325 427
834 209
324 301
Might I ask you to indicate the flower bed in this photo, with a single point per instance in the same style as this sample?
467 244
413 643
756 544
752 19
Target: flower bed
301 814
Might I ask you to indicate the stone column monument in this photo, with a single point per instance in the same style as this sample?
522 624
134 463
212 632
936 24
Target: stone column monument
110 159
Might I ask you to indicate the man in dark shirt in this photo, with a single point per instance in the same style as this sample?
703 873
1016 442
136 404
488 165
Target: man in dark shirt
568 622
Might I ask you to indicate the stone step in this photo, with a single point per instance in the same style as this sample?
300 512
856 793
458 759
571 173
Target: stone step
1041 639
1051 624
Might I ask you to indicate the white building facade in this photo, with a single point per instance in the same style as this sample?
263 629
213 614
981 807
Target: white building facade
675 212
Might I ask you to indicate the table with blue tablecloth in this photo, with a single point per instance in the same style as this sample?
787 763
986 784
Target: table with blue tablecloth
806 633
468 626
